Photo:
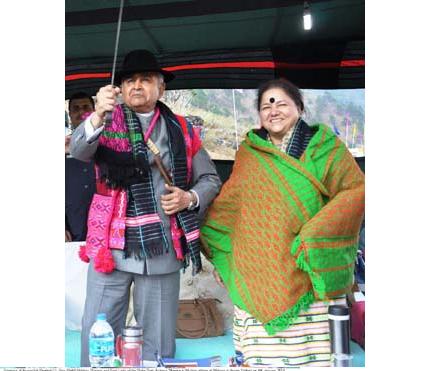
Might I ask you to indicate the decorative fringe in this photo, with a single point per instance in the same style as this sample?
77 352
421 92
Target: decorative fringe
82 254
148 250
283 321
103 261
316 280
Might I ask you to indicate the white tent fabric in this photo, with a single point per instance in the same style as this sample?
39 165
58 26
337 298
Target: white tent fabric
203 285
75 286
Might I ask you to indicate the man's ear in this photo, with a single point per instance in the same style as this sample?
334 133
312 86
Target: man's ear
161 90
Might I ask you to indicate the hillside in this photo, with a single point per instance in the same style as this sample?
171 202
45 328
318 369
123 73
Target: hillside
342 110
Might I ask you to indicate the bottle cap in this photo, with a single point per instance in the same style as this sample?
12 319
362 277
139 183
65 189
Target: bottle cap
101 316
132 331
338 310
117 362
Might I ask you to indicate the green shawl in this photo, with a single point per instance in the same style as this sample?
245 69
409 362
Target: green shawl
283 232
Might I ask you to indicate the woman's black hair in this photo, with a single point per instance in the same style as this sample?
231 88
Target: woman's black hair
290 89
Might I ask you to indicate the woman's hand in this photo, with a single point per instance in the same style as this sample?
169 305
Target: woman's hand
218 279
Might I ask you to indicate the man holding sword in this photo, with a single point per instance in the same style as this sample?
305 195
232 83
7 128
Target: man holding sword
150 229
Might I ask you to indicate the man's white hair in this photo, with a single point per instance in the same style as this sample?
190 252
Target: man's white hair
160 77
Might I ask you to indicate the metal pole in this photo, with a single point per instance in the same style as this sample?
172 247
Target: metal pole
118 31
108 118
235 119
347 131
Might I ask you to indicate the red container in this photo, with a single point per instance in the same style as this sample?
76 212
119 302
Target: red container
129 346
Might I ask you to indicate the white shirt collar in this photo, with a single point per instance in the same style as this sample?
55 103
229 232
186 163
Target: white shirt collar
145 115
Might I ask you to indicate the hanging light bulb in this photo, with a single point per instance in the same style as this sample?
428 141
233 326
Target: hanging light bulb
308 22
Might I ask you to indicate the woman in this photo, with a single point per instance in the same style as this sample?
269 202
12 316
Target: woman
283 233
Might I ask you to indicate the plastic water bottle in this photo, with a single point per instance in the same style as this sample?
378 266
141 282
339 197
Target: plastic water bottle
101 343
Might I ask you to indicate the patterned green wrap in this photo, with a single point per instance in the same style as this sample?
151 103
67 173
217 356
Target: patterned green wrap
283 232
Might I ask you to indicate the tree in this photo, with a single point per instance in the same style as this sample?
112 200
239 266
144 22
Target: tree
179 100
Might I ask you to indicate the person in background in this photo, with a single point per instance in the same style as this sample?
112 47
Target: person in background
154 230
283 233
79 175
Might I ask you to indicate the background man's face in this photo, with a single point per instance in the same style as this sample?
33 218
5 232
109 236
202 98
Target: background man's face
141 91
77 108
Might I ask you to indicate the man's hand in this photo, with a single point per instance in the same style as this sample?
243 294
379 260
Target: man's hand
106 99
67 144
175 201
218 279
68 236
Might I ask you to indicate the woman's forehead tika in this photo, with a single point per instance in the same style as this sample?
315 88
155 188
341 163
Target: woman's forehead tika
272 100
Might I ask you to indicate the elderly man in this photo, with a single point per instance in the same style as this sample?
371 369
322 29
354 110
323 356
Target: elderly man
79 175
141 229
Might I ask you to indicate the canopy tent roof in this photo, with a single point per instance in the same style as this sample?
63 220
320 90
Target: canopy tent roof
219 44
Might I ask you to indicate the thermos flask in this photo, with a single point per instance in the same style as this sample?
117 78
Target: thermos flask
339 329
129 346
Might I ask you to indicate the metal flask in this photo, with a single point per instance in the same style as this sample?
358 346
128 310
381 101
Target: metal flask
339 329
129 346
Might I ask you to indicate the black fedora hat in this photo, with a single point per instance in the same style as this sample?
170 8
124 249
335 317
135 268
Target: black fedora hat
140 60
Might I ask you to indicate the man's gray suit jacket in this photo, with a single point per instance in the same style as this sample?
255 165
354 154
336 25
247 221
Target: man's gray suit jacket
205 182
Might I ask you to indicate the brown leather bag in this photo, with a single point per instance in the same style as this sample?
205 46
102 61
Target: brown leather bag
199 318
